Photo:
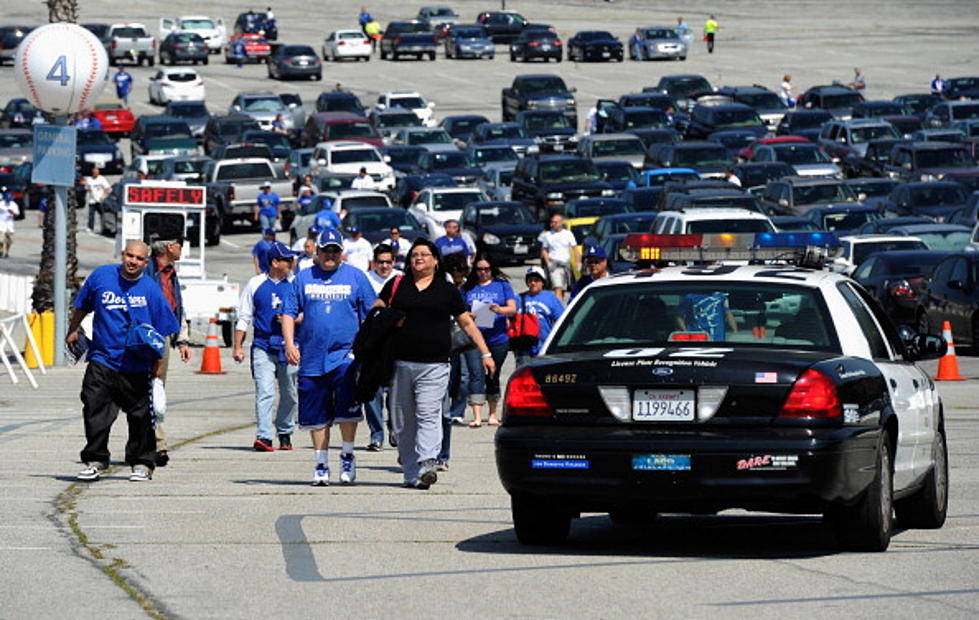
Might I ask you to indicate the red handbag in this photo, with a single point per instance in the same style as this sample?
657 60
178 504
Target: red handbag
523 329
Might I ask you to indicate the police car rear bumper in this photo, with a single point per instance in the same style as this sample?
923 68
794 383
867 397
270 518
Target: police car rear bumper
595 469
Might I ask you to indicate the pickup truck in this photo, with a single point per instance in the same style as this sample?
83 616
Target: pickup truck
211 29
408 38
132 42
233 186
539 92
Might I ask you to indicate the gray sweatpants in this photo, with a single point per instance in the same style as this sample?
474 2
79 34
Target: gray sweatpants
417 390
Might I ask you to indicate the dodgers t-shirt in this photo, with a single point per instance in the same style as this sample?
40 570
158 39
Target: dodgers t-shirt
494 292
268 204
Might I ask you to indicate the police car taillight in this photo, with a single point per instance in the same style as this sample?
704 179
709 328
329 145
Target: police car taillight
524 396
807 249
813 395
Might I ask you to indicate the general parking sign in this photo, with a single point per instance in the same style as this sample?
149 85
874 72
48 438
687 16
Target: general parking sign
54 155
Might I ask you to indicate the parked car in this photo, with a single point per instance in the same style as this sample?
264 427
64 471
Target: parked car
872 162
468 41
375 223
594 45
938 237
759 173
221 130
507 231
796 195
509 134
836 99
430 138
264 107
403 158
536 44
843 219
502 26
497 180
682 87
130 42
257 48
168 85
188 168
934 199
10 38
183 47
410 185
806 159
707 119
194 113
618 173
461 126
294 61
803 123
212 30
407 38
871 191
855 248
658 42
16 146
884 225
484 154
458 165
161 135
435 205
897 281
93 147
613 147
347 44
952 295
409 100
709 159
340 101
18 113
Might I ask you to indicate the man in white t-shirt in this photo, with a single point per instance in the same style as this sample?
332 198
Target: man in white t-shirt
8 213
363 181
357 251
556 246
97 187
400 245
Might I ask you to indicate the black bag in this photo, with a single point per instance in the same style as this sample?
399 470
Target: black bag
461 342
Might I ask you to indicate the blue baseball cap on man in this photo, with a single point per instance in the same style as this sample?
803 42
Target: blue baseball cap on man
269 232
280 251
595 251
330 237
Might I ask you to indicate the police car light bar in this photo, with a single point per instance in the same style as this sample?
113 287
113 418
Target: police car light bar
809 249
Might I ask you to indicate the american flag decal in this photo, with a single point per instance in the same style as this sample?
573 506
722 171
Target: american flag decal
766 377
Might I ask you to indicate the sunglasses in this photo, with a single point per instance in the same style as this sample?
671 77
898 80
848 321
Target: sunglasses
483 269
384 262
594 261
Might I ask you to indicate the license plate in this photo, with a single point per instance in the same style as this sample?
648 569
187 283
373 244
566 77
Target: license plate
661 462
606 54
545 47
663 406
110 117
520 249
303 62
558 147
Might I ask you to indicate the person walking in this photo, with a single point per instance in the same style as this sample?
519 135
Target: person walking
454 404
326 217
452 242
786 91
710 31
382 271
268 207
162 267
937 86
261 306
373 31
683 31
490 299
364 18
400 245
333 299
357 250
97 187
124 84
542 304
596 262
421 352
261 249
9 210
307 258
119 376
363 181
239 52
556 246
859 80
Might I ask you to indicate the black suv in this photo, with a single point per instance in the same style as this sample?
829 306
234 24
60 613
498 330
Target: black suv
226 130
707 118
340 101
837 99
681 87
546 183
533 44
928 161
765 102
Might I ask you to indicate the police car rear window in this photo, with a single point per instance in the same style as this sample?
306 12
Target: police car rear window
690 313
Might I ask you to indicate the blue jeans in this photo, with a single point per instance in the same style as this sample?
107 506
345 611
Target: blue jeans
374 412
453 407
481 387
268 374
266 221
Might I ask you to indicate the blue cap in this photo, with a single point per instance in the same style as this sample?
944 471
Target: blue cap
314 230
330 236
595 251
280 250
269 231
353 229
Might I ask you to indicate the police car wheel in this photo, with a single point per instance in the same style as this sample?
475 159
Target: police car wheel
927 508
869 523
539 523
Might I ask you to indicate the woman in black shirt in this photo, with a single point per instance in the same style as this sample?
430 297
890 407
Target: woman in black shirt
421 369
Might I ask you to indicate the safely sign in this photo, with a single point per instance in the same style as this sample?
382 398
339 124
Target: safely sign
164 195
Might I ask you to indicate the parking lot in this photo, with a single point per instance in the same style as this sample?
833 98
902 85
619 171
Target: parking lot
226 532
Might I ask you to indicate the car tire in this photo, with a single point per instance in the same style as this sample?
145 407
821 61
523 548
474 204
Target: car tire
384 55
150 61
513 58
431 55
268 70
206 60
318 77
928 507
868 524
683 58
537 522
214 239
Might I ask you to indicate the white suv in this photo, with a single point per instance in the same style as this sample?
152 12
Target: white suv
410 100
711 221
349 158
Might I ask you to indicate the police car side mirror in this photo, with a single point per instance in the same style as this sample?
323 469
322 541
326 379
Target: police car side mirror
924 347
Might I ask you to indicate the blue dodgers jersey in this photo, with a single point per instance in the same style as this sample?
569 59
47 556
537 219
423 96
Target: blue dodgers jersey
261 250
496 292
268 204
113 299
547 308
333 304
263 301
448 246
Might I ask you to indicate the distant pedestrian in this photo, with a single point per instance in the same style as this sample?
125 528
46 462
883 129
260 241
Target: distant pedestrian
557 245
382 271
491 300
260 251
785 92
333 299
937 85
683 31
710 31
308 256
542 304
268 207
313 232
421 352
124 84
279 125
373 31
363 181
452 242
119 376
732 178
97 188
400 245
596 263
364 18
261 306
9 210
239 52
162 267
859 80
356 250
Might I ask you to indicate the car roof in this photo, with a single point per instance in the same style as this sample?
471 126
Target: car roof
933 145
797 181
855 239
863 122
456 190
846 208
342 145
606 137
918 229
718 213
808 278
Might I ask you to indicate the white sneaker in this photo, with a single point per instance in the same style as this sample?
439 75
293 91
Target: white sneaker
91 472
348 468
321 476
141 473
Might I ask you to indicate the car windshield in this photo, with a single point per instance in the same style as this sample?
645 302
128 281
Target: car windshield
605 148
659 33
734 141
235 127
251 170
750 176
505 178
883 109
172 131
822 193
333 183
455 201
15 140
263 104
736 118
944 158
660 178
702 156
872 189
439 161
185 76
658 314
859 135
848 220
501 132
378 221
361 129
729 226
471 32
761 101
353 156
491 154
807 121
405 27
196 24
298 50
646 119
505 215
641 223
687 86
350 34
650 100
360 202
568 171
937 195
277 142
913 264
619 172
464 125
963 112
187 110
537 122
94 138
543 85
403 156
341 104
252 150
862 250
597 208
188 37
128 33
801 154
412 103
397 119
727 202
429 137
947 241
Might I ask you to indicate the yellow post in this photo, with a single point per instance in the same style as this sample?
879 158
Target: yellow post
34 320
47 337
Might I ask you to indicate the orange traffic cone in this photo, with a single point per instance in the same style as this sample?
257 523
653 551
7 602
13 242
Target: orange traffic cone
948 365
211 364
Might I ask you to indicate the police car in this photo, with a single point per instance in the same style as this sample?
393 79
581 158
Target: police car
745 383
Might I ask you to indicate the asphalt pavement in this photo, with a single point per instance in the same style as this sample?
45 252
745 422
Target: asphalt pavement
226 532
